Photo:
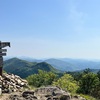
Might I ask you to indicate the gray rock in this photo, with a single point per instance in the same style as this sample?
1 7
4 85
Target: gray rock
27 93
52 93
12 83
0 91
65 97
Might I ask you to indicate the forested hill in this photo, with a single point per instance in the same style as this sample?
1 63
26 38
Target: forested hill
24 68
68 64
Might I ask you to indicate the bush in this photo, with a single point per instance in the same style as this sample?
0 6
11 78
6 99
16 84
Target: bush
67 83
89 84
43 78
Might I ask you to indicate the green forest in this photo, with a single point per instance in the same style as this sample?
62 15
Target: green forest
86 83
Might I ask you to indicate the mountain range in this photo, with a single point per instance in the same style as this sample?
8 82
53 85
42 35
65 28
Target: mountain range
24 68
27 66
68 64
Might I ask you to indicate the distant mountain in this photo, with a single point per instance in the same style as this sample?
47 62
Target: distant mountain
81 64
95 70
24 68
61 65
66 64
25 58
30 59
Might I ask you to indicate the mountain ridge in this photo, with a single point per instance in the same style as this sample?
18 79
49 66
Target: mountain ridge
67 64
24 68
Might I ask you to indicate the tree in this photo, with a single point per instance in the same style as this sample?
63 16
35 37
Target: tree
67 83
86 71
75 75
43 78
88 83
98 73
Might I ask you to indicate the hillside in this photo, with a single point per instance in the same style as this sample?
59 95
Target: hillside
24 68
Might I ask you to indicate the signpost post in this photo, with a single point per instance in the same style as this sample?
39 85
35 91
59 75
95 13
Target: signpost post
2 53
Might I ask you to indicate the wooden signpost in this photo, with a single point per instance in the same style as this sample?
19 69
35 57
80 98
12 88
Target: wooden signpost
2 53
3 50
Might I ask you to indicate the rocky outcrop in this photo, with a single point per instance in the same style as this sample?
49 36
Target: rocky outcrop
54 93
51 93
45 93
27 95
11 83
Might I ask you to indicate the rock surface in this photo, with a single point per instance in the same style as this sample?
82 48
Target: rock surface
45 93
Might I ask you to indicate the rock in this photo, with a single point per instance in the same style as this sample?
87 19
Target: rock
52 93
11 83
40 94
65 97
16 97
22 83
19 81
0 91
78 97
27 93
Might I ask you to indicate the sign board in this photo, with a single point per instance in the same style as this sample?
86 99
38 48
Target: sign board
3 50
2 54
4 44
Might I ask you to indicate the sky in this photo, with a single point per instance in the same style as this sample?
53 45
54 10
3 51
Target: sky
51 28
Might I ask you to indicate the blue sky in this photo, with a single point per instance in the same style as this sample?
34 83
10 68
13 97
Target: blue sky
51 28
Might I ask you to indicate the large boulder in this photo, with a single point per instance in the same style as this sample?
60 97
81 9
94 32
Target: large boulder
51 93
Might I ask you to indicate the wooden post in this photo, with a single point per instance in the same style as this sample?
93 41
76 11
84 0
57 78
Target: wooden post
1 65
1 61
2 45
